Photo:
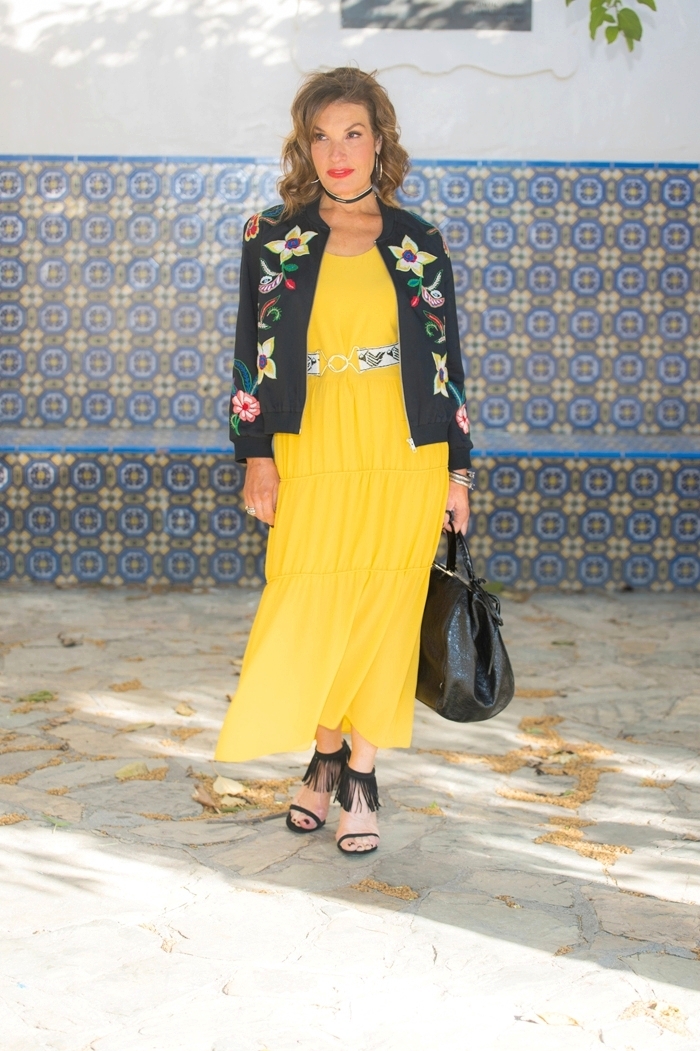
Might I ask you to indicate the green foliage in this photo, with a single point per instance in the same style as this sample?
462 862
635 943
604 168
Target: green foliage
616 19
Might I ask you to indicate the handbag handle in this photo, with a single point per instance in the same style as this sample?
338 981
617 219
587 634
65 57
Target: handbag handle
456 542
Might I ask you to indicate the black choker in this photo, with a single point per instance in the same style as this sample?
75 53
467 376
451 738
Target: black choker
348 200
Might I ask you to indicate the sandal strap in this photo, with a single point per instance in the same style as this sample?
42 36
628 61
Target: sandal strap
325 769
357 835
356 790
308 813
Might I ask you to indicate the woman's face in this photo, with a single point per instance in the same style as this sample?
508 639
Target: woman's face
344 149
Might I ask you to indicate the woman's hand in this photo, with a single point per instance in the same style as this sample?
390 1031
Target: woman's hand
260 489
457 507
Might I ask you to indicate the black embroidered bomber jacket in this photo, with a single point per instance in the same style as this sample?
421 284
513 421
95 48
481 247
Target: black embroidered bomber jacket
279 271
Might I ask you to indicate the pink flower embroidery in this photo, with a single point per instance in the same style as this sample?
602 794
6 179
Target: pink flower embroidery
462 419
245 406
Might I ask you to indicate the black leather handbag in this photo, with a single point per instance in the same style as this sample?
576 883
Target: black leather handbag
464 673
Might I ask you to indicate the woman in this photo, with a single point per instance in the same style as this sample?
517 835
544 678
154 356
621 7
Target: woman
347 353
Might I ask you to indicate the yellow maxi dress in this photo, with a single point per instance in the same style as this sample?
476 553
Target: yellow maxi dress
336 636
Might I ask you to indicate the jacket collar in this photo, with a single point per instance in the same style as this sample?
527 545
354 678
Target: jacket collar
388 214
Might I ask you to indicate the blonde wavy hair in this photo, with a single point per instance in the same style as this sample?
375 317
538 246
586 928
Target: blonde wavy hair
298 185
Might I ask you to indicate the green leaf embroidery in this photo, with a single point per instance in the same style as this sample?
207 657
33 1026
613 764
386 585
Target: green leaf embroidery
269 313
242 369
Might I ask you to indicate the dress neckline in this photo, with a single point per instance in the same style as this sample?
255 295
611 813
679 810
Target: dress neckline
361 255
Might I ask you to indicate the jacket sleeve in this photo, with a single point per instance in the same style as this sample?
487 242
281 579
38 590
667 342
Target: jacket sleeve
246 427
458 439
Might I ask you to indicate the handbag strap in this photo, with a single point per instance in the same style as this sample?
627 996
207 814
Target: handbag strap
456 543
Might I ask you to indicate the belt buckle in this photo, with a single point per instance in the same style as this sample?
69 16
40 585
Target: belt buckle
343 357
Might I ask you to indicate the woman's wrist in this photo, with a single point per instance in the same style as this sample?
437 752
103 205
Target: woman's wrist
463 477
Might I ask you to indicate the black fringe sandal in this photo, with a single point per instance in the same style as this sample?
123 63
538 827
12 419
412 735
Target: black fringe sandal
356 789
323 774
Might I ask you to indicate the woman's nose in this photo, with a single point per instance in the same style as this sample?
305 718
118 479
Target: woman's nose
338 152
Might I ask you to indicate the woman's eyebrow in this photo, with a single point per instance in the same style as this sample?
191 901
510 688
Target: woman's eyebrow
357 124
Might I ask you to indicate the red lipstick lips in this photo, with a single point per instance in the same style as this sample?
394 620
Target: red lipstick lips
340 173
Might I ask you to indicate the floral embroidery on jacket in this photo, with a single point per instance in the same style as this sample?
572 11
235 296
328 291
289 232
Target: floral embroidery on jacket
252 227
462 419
410 258
295 243
266 366
244 406
441 375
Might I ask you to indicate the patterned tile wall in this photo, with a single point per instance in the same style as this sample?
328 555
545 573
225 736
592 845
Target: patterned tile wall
157 519
137 519
578 290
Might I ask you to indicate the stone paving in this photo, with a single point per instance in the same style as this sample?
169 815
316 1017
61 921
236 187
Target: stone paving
536 886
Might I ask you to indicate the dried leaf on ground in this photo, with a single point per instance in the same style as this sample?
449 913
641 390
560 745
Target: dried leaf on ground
134 728
226 786
185 709
12 819
507 900
183 733
564 950
267 796
229 803
140 772
124 687
403 892
554 1018
203 796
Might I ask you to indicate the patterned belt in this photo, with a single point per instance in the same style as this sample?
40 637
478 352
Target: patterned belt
367 358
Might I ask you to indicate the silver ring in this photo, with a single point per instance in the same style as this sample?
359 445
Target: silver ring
250 510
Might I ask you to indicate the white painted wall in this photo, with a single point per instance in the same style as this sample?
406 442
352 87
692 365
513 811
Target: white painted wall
215 77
